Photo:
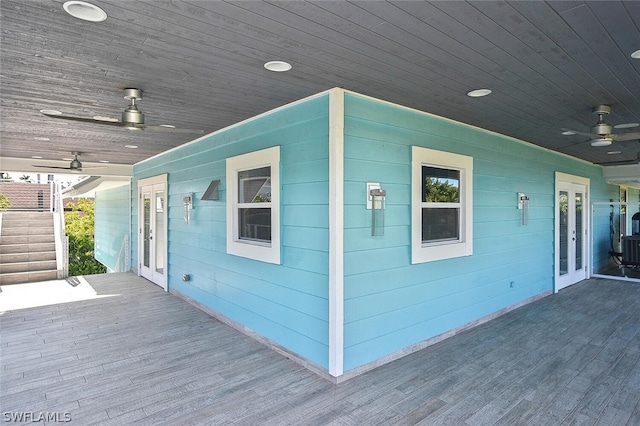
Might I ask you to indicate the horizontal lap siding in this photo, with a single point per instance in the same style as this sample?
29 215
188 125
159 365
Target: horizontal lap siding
391 304
286 303
111 224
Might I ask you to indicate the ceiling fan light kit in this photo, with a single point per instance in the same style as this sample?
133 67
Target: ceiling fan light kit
601 142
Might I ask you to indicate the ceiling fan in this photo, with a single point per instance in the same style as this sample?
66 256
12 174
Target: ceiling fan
602 132
132 117
74 167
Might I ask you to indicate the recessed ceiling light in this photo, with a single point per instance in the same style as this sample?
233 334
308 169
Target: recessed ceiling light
131 146
168 126
50 112
614 152
85 11
105 118
478 93
568 133
626 125
41 138
636 54
601 142
278 66
104 161
36 156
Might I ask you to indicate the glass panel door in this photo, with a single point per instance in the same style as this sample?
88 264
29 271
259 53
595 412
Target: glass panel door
571 222
153 230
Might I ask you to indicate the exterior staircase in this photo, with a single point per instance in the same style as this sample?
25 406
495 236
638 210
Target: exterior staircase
27 247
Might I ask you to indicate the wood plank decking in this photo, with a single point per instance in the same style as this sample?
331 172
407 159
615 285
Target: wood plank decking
143 356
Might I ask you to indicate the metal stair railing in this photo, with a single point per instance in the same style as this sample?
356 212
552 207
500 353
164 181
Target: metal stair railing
61 239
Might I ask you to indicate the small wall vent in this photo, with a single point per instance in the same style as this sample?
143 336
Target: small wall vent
213 191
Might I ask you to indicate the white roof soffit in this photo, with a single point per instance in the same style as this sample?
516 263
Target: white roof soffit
623 175
88 186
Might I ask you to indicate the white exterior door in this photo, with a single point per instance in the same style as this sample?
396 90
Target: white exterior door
152 236
571 232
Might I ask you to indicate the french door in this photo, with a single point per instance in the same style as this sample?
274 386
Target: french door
152 236
572 232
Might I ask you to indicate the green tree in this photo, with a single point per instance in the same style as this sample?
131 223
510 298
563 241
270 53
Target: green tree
25 178
79 225
4 202
440 191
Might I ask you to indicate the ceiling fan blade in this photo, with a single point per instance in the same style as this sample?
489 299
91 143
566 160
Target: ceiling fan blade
622 137
51 167
86 120
173 130
591 135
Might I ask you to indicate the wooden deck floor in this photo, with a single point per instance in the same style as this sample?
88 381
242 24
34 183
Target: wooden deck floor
142 355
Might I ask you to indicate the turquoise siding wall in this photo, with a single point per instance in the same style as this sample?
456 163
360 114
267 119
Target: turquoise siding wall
391 304
112 213
287 303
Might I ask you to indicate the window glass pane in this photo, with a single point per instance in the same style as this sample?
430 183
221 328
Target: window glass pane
146 242
159 230
579 231
255 185
563 204
254 224
440 185
440 224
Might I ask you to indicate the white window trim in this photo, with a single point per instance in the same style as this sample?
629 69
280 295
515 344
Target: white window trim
421 253
265 252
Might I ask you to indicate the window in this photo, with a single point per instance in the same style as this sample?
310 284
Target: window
253 206
442 205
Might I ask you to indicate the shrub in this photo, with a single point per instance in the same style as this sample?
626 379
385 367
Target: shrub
4 202
79 225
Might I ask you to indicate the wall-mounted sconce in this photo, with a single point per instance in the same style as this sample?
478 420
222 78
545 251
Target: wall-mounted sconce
377 211
188 206
523 206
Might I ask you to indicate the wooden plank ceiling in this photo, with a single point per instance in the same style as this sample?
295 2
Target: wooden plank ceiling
200 66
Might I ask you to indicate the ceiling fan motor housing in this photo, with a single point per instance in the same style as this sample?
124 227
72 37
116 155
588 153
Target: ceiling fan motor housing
75 164
602 127
132 115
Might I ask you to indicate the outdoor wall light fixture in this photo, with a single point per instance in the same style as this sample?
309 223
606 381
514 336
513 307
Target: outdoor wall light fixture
523 206
376 202
188 206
